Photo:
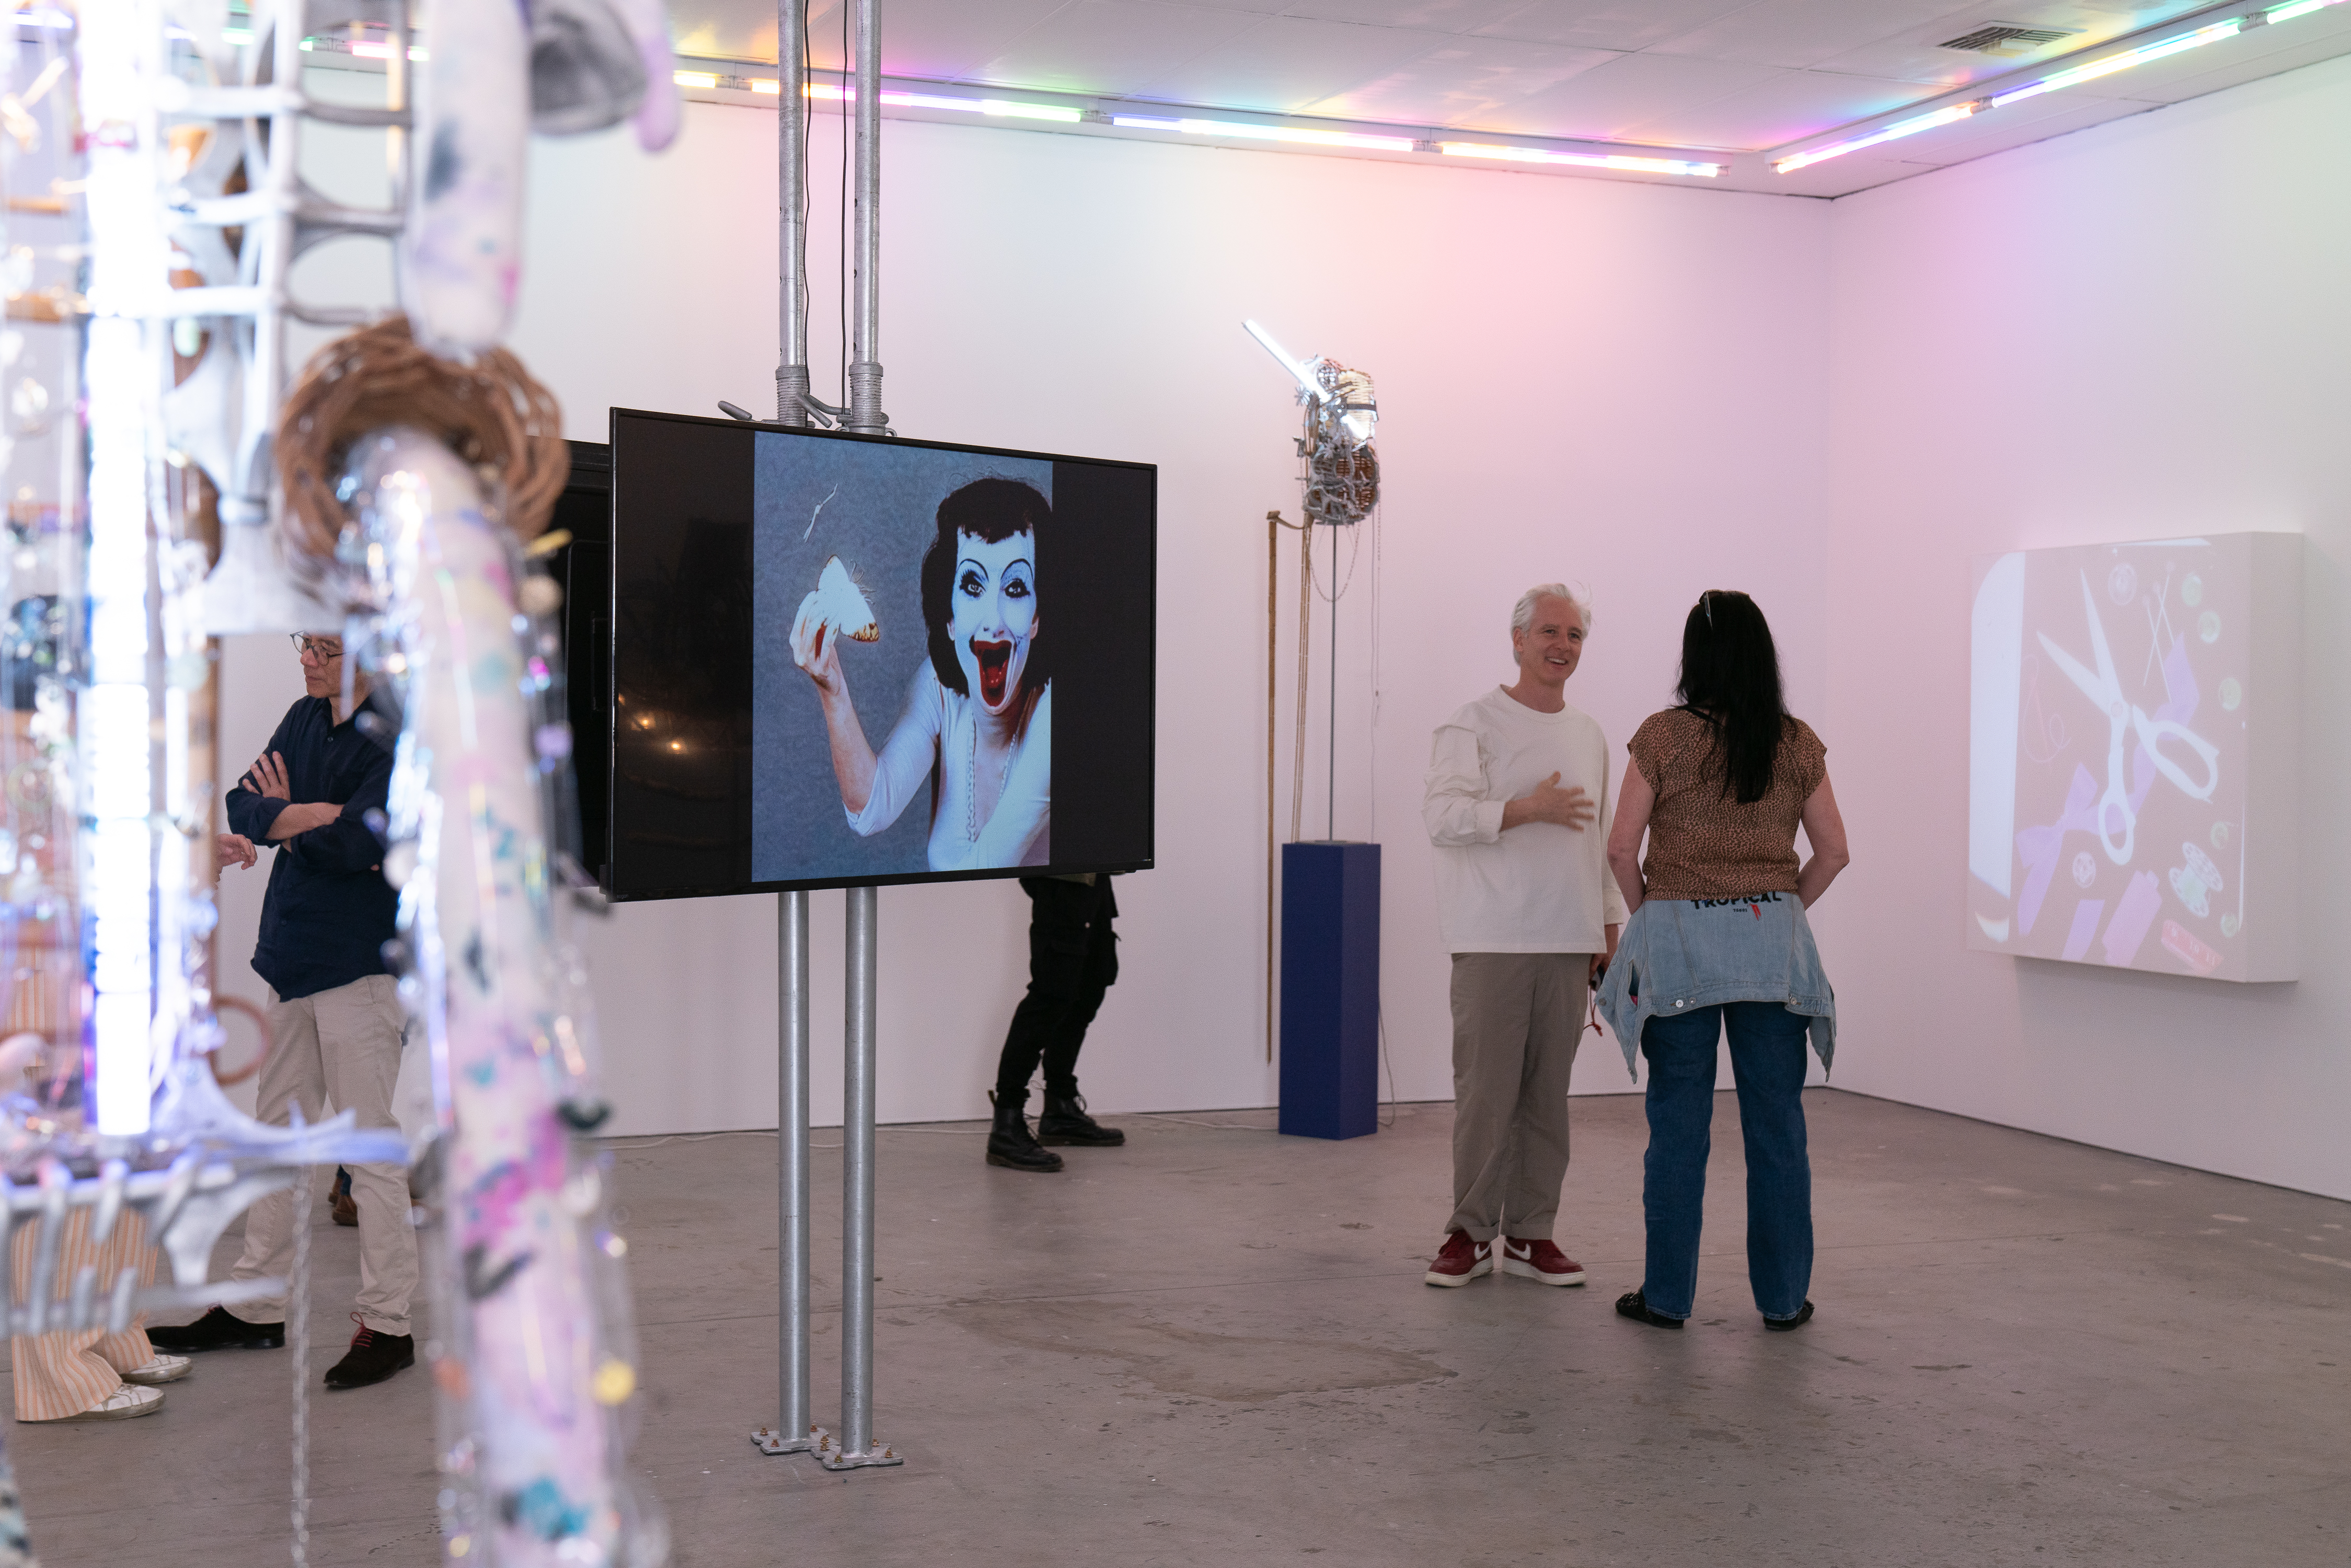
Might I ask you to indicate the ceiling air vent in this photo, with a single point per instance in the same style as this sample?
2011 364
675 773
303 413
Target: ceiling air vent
2007 42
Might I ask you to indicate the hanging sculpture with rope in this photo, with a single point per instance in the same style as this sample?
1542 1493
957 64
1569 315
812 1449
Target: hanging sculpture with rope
1340 484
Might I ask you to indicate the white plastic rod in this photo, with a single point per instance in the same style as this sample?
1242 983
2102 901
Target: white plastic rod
536 1360
460 255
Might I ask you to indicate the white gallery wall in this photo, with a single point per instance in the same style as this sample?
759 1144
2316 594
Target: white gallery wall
2136 331
2132 331
1530 337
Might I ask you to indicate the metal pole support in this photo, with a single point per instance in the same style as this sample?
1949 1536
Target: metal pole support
791 206
794 1434
865 413
858 1449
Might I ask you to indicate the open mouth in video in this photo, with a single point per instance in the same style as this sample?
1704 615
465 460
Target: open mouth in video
995 662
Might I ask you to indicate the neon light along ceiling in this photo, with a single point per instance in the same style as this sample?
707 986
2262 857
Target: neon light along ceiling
1794 97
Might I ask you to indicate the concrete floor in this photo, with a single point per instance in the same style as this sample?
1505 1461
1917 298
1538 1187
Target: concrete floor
1214 1345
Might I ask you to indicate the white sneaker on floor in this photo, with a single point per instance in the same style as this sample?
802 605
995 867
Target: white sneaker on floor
124 1403
162 1369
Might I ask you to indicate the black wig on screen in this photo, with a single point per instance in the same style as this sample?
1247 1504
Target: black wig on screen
991 510
1731 678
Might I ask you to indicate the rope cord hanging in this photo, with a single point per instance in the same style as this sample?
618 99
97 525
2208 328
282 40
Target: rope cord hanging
491 414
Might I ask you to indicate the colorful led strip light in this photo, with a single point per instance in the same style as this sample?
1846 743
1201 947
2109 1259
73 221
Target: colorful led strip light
2122 62
1893 132
2212 33
1580 159
1248 131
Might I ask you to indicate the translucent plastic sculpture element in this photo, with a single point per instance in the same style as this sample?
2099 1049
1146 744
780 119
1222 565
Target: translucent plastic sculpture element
535 1362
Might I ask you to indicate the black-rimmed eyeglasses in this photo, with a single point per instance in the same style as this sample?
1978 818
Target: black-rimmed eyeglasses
325 650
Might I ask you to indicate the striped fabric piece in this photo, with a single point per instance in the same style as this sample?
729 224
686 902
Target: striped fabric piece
65 1374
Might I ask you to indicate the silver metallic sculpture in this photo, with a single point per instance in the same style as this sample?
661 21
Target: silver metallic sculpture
1342 472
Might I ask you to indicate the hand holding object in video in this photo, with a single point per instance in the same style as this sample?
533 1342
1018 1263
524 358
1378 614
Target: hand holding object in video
836 606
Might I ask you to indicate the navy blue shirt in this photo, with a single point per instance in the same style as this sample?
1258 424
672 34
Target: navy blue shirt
328 911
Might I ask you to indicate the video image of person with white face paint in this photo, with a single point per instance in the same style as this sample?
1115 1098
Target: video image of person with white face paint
978 723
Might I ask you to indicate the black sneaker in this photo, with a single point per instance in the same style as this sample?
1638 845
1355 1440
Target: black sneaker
218 1329
372 1357
1065 1121
1635 1305
1781 1326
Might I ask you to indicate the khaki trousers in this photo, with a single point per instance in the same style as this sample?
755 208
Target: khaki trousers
1517 1020
340 1045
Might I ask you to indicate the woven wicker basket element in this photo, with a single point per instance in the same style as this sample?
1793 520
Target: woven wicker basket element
490 413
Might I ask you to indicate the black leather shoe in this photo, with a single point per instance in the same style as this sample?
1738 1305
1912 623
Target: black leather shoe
1009 1144
1781 1326
218 1329
373 1358
1633 1304
1065 1121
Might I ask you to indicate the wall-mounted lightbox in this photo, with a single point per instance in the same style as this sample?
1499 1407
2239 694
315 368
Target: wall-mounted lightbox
2134 755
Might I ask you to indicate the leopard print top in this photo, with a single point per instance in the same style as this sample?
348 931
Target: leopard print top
1703 843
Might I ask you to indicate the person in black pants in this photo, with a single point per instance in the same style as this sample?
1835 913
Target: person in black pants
1072 960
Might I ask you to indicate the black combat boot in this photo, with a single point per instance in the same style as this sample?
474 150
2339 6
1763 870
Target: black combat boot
1008 1143
1065 1121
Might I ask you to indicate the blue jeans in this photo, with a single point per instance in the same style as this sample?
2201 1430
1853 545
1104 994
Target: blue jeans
1766 1058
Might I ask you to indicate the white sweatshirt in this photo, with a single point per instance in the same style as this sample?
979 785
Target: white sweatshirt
1538 888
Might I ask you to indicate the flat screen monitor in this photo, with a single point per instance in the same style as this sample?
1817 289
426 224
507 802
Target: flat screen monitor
845 660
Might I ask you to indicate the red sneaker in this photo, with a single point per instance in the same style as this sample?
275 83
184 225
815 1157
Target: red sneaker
1460 1260
1540 1260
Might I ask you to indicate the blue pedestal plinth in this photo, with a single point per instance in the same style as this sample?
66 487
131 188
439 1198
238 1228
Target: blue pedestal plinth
1330 989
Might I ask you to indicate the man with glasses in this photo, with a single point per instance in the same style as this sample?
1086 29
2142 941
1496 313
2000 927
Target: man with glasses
334 1017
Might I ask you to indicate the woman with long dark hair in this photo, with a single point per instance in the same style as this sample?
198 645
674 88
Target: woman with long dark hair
1718 942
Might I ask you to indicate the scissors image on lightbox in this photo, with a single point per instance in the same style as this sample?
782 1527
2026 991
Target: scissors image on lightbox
2124 718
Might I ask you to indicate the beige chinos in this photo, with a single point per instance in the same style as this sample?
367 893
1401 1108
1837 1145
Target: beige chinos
1517 1021
340 1045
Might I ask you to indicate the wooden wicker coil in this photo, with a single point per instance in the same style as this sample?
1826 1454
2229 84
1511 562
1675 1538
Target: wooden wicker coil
491 412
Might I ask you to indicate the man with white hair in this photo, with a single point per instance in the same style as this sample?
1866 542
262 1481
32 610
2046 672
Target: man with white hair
1531 914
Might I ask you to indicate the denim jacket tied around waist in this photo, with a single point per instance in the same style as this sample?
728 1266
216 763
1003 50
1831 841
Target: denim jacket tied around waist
1679 954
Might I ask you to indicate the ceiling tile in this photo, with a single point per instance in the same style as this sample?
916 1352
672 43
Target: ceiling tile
1603 24
941 39
1797 33
1606 102
1462 83
1279 65
1431 15
1110 47
1918 55
724 30
1791 105
2266 51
